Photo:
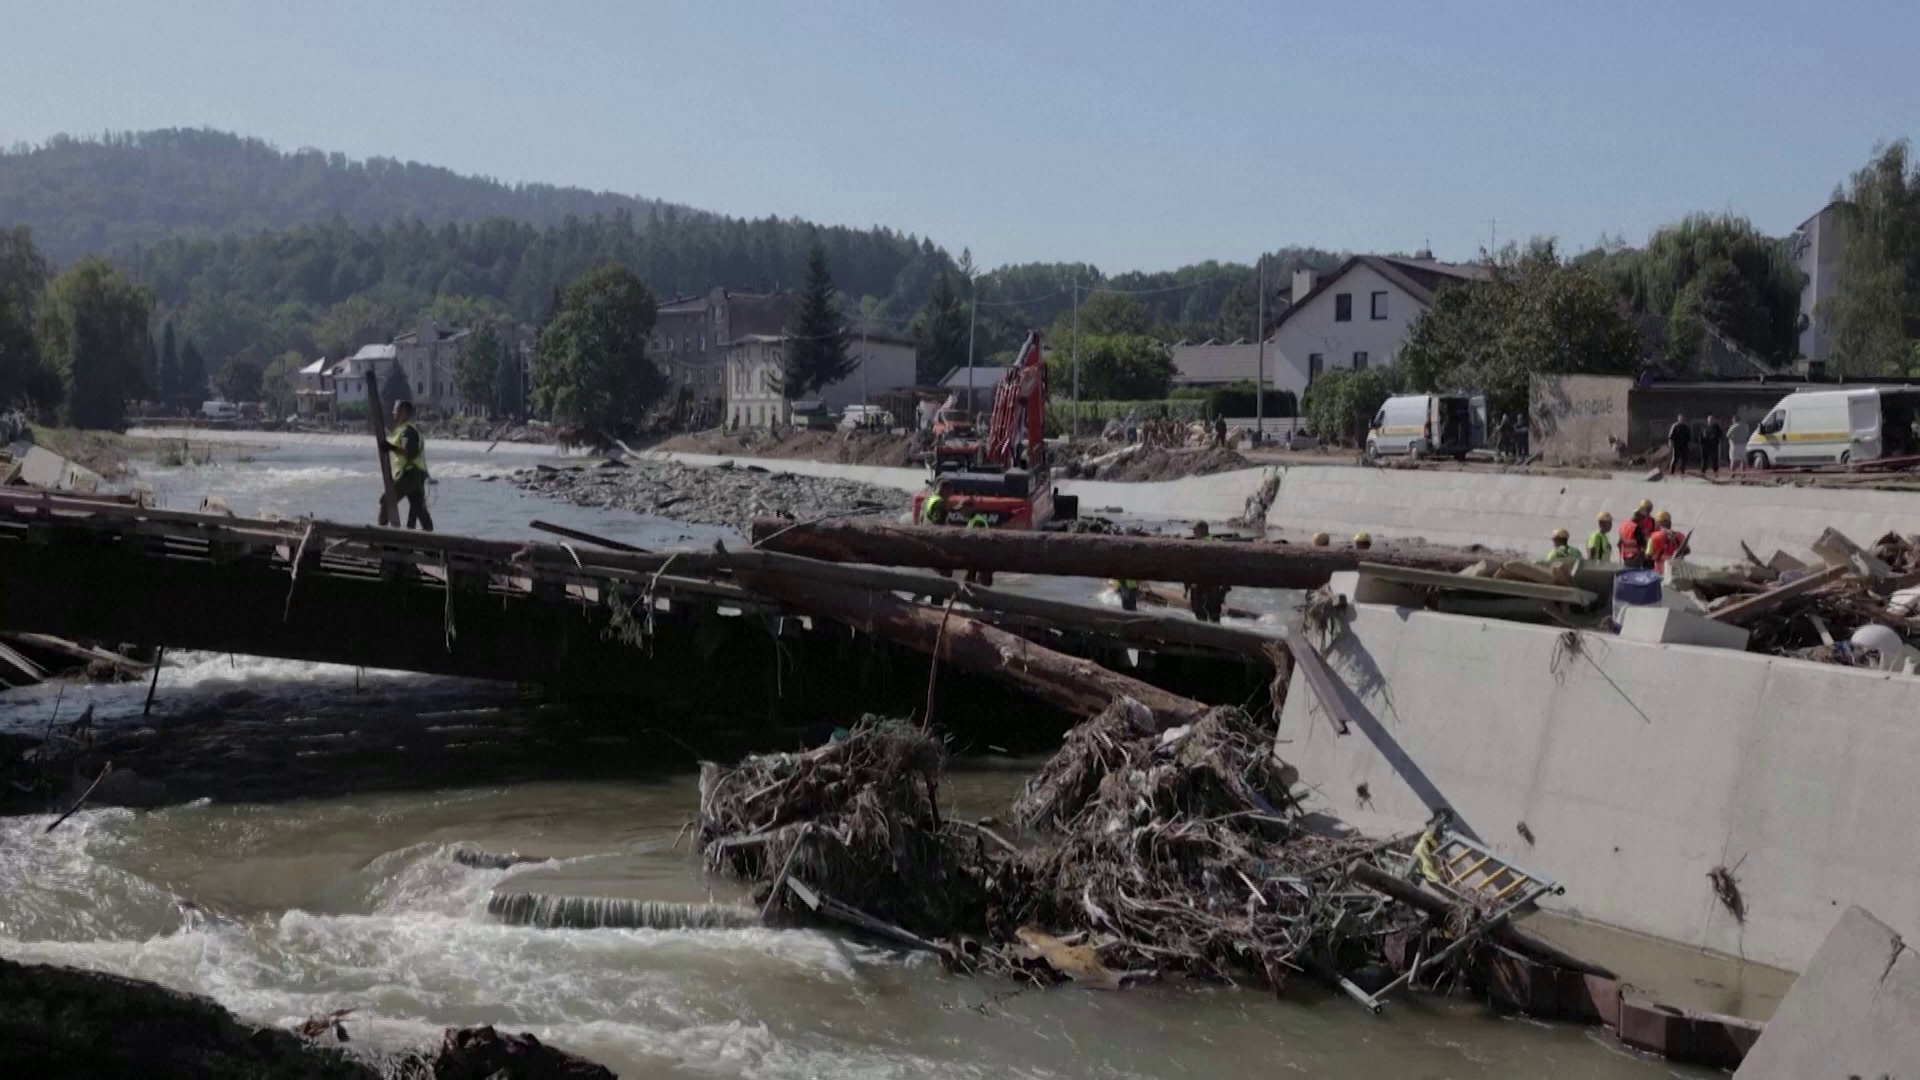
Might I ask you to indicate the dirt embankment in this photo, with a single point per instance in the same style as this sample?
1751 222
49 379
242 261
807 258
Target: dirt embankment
1144 464
839 447
723 495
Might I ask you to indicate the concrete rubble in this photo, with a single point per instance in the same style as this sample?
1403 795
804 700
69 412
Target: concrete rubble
1852 1012
721 495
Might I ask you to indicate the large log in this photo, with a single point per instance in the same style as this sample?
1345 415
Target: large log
1078 686
1142 629
1143 558
377 423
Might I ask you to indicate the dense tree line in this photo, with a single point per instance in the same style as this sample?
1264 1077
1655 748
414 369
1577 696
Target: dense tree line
1875 315
113 194
74 347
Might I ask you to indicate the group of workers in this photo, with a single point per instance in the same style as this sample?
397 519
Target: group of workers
1647 540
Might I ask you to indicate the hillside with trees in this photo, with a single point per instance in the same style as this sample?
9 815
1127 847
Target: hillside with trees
114 194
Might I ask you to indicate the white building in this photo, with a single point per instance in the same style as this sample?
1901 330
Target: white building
313 388
1355 317
754 364
350 375
1816 247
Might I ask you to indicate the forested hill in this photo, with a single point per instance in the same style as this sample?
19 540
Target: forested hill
105 196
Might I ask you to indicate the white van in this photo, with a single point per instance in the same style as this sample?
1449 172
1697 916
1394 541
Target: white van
219 410
1836 427
855 417
1428 424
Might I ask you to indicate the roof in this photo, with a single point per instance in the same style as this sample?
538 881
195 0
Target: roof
683 305
1418 278
318 367
375 352
983 376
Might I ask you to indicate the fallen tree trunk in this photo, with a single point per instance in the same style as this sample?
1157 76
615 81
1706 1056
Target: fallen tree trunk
1143 558
1080 687
1127 626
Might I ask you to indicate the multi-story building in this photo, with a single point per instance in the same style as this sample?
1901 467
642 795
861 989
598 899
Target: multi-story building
429 354
350 376
691 332
1816 247
755 389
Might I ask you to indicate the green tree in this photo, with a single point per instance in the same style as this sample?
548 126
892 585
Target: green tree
1341 403
940 333
167 375
592 367
1718 270
817 354
1536 314
509 387
1113 367
25 378
276 384
1875 310
394 386
193 377
476 372
93 327
242 374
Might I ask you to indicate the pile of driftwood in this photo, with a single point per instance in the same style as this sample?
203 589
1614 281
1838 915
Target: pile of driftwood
1143 850
1814 608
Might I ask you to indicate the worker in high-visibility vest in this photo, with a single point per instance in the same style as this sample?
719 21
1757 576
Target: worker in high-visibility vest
934 510
1600 542
1634 534
979 520
409 457
1561 548
1667 541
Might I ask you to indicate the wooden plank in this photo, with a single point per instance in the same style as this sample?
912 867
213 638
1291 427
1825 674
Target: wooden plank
585 537
74 651
17 670
1753 606
1525 590
1837 550
377 422
1321 680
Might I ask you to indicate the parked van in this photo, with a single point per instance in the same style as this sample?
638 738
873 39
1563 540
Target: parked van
855 417
1837 427
220 410
1428 424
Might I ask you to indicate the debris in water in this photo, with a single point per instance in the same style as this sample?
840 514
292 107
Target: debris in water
1727 888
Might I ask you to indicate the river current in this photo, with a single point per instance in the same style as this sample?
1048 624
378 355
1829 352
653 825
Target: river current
282 899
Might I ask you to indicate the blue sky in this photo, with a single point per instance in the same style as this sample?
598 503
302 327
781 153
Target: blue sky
1132 135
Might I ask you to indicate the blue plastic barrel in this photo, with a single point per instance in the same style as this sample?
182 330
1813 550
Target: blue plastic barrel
1634 588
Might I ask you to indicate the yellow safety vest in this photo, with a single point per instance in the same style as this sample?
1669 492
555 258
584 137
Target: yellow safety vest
933 511
401 462
1599 546
979 521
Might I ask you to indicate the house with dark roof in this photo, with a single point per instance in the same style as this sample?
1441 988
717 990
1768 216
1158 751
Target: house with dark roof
1354 317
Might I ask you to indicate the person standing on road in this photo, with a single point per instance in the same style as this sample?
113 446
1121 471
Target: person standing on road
1713 443
1737 444
1680 437
1220 432
409 467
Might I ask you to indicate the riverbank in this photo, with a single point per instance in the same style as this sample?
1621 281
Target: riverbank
723 494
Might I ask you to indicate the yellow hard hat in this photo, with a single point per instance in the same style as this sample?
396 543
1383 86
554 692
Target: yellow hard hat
1362 538
1321 540
1646 506
1603 516
1560 534
1663 518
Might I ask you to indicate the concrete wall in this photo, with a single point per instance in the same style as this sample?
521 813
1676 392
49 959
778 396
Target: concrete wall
1637 768
1851 1014
1518 511
1570 417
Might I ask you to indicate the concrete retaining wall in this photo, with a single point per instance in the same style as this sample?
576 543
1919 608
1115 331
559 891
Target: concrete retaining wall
1852 1013
1511 511
1637 768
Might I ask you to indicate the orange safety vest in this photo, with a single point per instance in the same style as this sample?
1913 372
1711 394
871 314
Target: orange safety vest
1629 540
1665 544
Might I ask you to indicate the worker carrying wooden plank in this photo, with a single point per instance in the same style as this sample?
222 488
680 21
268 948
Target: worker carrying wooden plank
410 466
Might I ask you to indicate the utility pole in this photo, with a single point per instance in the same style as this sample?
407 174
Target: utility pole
1076 360
1260 351
973 320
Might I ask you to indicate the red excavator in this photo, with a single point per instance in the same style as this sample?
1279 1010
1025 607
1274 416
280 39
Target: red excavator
1009 482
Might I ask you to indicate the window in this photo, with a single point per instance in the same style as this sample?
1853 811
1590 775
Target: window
1380 305
1359 361
1343 307
1316 363
703 341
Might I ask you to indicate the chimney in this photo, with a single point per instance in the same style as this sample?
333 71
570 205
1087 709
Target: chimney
1303 283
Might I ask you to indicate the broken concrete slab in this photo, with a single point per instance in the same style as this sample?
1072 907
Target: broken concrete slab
1855 1011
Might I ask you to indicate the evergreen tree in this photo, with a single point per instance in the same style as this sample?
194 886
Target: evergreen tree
940 333
509 396
476 371
817 354
166 375
25 379
394 386
1875 313
193 377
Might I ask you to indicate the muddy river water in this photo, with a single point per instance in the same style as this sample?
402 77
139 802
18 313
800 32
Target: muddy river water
320 876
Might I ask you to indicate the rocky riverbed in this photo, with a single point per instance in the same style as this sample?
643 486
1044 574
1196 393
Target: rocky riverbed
721 495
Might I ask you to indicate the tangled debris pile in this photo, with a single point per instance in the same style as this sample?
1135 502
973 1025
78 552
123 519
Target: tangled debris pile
722 495
1861 608
1148 851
